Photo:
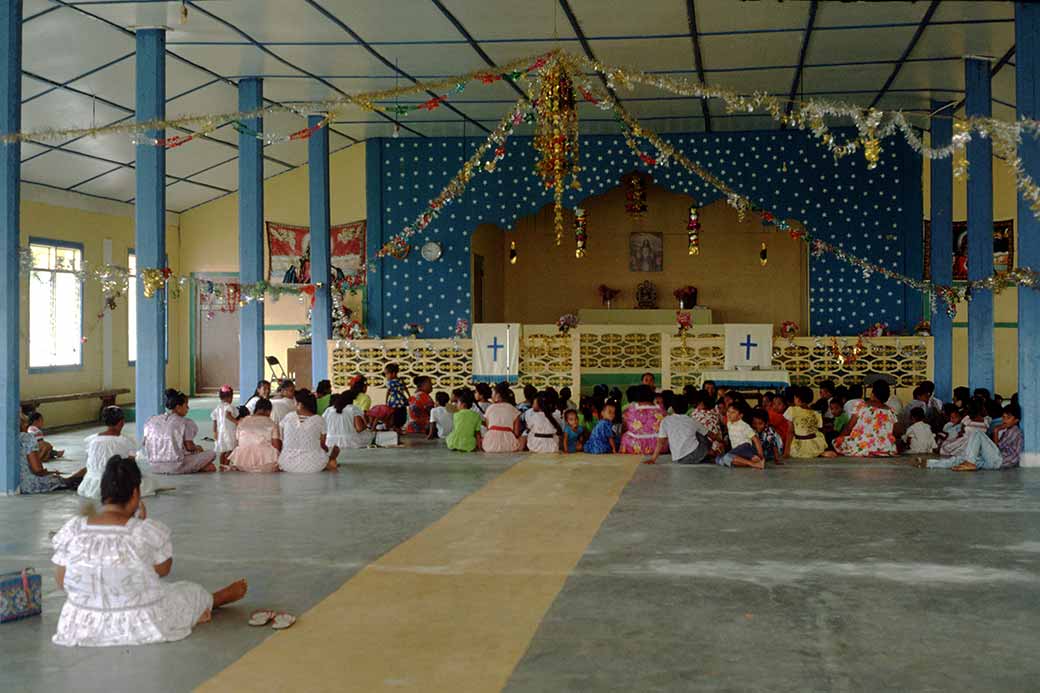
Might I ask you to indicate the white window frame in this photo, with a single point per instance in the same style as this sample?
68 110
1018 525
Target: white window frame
35 274
131 317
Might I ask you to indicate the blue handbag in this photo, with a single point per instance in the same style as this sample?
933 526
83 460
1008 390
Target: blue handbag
20 595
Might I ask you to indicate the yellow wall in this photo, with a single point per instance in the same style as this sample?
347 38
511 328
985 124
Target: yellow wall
210 243
489 242
1005 304
89 229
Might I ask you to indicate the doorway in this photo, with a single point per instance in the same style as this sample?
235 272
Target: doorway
478 288
216 338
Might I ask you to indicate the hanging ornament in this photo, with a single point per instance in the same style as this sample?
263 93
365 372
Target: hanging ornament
783 167
763 255
512 252
693 232
872 152
581 237
635 195
556 136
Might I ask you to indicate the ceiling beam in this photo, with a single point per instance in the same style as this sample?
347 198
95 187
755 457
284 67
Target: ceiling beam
925 20
381 58
813 6
473 43
576 28
1004 61
698 61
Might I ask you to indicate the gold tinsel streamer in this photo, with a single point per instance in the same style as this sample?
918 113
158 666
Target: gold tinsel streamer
556 136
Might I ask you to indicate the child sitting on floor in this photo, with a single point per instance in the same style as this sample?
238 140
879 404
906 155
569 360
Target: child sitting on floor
807 439
975 422
543 430
45 449
746 449
441 420
225 425
919 437
465 432
573 433
771 441
952 428
1002 451
839 419
602 440
684 436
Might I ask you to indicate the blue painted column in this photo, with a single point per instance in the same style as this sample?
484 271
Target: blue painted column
10 203
321 249
374 235
150 225
1027 102
942 251
250 237
980 226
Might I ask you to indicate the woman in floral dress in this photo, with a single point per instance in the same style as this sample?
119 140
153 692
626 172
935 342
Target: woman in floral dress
871 430
642 421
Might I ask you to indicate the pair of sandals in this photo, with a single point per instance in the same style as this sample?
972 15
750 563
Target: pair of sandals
279 620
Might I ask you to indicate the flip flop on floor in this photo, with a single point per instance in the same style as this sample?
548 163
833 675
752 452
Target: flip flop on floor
261 617
283 620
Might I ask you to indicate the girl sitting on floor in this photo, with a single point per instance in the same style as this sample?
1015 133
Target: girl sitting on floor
304 450
169 440
543 431
573 432
807 439
33 476
104 446
110 565
503 423
465 432
258 441
420 405
262 391
602 440
45 449
642 421
345 425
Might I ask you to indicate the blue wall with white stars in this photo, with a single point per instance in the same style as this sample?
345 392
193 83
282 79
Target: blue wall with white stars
873 214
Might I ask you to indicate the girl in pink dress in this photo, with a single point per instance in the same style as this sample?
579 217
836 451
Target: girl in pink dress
871 428
420 405
642 421
259 441
503 423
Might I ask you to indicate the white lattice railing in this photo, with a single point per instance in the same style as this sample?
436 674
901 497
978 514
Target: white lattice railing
549 358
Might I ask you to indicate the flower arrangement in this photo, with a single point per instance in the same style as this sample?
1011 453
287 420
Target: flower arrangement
686 295
566 323
878 329
789 329
413 328
461 327
684 321
607 294
923 329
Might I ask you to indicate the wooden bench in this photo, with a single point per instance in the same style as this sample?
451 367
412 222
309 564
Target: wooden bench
107 397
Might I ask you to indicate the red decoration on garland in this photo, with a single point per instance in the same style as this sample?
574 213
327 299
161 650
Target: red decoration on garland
581 236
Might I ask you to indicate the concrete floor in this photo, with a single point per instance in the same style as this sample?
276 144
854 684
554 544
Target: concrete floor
830 576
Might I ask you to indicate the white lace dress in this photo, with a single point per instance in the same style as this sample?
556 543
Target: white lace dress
115 597
301 444
100 449
340 429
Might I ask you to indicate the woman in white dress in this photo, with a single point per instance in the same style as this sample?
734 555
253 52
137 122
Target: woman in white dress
168 440
104 446
109 566
304 450
345 425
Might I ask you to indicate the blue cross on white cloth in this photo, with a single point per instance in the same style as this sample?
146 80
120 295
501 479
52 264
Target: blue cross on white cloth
495 346
747 344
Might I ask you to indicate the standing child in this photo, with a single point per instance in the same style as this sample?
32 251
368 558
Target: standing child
746 447
573 432
441 420
225 425
396 396
602 440
770 439
45 449
465 433
919 437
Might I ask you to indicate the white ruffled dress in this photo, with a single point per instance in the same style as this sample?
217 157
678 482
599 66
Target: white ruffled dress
100 449
115 597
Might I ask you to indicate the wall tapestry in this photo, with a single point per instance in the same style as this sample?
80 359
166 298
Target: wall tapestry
289 251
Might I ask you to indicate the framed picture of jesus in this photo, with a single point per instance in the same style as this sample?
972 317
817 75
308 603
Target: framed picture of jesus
646 252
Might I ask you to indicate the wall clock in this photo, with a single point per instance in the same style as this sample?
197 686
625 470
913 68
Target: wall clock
432 251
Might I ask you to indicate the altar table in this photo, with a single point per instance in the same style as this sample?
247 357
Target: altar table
640 316
749 379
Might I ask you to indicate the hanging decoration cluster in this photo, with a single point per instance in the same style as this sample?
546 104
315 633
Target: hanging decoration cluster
693 231
556 136
581 236
635 195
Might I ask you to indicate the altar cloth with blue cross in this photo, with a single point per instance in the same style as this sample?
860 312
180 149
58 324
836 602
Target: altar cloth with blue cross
496 352
748 347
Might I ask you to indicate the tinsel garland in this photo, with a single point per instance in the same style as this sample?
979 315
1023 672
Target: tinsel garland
556 135
581 236
693 232
635 196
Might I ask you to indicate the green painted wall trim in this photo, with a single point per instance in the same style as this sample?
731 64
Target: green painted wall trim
1001 325
284 328
593 379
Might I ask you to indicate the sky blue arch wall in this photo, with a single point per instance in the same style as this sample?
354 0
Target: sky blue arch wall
874 214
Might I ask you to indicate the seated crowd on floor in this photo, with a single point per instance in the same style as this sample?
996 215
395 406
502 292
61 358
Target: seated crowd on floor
299 431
